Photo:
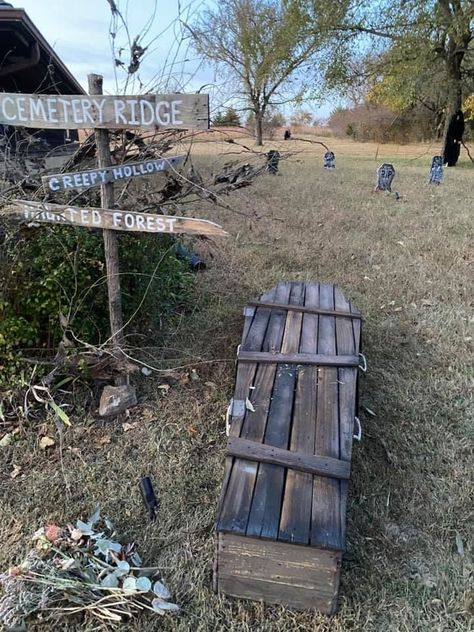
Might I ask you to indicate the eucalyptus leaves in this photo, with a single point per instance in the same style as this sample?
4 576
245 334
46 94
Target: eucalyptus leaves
81 569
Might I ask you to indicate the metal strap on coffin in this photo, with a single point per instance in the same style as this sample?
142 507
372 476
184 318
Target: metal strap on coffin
300 308
319 465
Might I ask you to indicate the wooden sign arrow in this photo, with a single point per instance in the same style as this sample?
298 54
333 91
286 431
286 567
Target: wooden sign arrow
111 219
151 111
97 177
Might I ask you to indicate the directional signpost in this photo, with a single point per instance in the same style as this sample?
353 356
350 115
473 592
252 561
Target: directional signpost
101 113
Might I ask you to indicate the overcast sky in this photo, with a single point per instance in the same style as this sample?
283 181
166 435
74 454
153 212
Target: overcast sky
78 30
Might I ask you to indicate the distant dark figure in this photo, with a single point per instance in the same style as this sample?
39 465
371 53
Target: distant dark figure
287 135
273 158
452 147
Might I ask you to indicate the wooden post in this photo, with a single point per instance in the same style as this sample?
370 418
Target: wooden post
110 237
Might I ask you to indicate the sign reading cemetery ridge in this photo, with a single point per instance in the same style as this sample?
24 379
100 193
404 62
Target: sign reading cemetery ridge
96 177
111 219
105 112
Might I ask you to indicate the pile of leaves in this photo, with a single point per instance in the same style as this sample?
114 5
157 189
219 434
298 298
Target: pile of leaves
81 570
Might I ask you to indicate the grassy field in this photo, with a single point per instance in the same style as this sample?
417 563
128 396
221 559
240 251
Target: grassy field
408 265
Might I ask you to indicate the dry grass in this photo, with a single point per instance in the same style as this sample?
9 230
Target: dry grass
408 265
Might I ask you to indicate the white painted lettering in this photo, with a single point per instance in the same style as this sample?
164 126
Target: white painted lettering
175 113
77 177
129 220
65 105
96 218
77 111
149 223
87 115
20 104
84 216
52 110
162 113
117 218
99 105
146 105
160 225
54 184
37 109
118 173
171 223
86 180
103 176
119 107
133 112
5 114
68 182
150 167
140 222
127 171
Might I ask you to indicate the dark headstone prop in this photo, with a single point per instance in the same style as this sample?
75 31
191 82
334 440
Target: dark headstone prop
452 147
436 171
385 175
329 160
273 158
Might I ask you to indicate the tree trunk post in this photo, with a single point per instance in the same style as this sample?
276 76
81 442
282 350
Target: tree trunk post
259 128
110 237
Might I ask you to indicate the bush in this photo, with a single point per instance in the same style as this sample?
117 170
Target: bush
54 273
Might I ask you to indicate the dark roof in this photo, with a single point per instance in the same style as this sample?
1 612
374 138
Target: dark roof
28 63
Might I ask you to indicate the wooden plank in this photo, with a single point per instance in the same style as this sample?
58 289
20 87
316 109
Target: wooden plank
156 112
256 326
113 219
320 359
307 310
326 508
295 521
107 175
275 572
233 515
264 453
264 517
346 342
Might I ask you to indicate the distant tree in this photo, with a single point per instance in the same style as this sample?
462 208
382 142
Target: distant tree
301 118
266 45
229 118
272 121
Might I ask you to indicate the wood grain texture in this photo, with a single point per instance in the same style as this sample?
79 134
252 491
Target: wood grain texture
265 453
326 507
111 219
320 359
106 175
306 309
233 515
156 112
264 517
295 521
276 572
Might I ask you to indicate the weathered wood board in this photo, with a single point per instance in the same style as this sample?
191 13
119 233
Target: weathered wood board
112 219
163 111
289 452
97 177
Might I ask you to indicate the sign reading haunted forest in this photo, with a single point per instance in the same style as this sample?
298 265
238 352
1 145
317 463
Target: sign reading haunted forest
111 219
105 112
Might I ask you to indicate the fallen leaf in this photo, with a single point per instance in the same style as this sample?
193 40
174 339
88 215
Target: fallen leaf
105 440
46 442
249 405
129 426
6 440
17 470
53 532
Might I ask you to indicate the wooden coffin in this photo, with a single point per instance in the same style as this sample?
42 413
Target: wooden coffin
282 512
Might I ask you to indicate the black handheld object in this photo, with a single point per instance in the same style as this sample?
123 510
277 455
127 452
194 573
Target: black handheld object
148 496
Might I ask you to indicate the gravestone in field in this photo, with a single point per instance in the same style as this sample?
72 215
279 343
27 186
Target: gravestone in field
385 175
436 171
329 160
273 158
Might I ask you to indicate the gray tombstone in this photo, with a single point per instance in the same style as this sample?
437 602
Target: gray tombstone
385 175
329 160
436 171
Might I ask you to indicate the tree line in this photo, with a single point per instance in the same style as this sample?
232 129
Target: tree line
400 54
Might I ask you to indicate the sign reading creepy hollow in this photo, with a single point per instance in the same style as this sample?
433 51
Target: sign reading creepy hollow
105 112
96 177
